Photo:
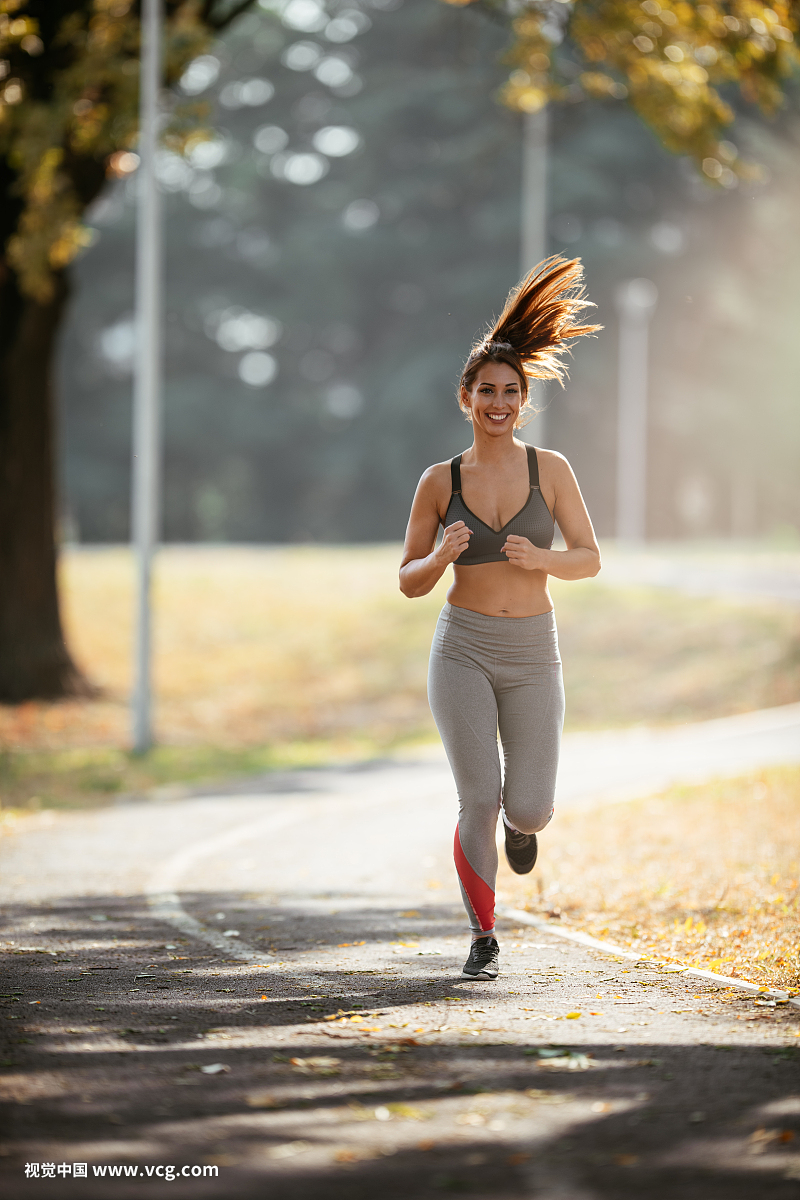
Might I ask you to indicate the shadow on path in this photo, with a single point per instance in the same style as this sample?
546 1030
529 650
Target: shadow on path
104 1046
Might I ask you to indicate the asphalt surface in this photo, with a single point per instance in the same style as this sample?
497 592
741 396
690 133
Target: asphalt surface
267 984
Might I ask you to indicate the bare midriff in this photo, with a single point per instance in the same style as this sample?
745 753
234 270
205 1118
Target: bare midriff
500 590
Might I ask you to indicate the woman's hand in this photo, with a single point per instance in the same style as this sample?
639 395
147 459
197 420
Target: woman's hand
522 553
454 542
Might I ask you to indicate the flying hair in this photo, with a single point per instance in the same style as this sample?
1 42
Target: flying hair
540 318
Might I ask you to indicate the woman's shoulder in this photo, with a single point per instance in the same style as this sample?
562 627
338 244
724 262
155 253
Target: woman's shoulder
548 455
437 475
435 487
553 462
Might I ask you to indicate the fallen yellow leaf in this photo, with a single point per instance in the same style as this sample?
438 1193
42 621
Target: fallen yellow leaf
261 1100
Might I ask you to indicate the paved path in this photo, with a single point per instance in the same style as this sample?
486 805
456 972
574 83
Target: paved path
268 983
606 766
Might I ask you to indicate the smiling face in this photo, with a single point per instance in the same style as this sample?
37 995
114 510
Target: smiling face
494 398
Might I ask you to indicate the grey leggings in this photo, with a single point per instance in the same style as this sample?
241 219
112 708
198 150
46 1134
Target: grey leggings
489 672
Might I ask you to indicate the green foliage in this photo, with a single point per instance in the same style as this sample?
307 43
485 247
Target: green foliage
670 59
69 113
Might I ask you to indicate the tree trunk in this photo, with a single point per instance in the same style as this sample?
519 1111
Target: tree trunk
34 661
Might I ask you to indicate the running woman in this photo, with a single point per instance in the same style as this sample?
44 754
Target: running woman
494 660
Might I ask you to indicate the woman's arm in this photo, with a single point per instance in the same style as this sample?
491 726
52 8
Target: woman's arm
424 562
581 559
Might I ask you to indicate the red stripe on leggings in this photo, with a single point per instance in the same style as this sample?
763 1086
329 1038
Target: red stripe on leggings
481 896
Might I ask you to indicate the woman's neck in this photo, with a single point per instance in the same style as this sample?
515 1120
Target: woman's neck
492 451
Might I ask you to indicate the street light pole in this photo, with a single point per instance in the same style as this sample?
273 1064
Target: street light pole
636 301
533 229
147 377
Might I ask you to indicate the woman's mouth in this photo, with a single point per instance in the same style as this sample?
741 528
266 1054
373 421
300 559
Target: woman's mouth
498 418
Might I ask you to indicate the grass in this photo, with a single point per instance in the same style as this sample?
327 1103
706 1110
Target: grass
641 655
278 657
707 875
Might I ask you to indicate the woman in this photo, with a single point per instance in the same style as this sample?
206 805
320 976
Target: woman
494 660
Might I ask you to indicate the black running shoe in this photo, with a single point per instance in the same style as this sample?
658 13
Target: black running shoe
483 961
521 850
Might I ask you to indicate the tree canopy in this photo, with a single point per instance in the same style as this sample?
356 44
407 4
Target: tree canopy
69 93
69 88
675 62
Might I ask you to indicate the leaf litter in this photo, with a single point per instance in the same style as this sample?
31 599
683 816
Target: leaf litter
705 876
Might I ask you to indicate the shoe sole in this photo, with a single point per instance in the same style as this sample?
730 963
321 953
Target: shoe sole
479 975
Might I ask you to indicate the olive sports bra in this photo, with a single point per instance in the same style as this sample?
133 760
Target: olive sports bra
533 521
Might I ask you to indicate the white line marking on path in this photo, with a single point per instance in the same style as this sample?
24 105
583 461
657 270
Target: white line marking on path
585 939
162 894
162 888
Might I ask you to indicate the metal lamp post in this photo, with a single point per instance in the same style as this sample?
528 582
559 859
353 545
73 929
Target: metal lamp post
534 218
636 301
147 377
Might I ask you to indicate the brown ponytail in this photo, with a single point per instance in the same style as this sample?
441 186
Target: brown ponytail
537 323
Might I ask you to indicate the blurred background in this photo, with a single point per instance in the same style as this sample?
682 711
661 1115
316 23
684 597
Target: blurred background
353 225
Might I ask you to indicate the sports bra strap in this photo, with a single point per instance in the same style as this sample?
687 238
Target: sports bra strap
533 468
455 474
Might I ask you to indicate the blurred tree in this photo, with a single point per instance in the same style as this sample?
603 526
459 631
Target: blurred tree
68 120
670 59
346 233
